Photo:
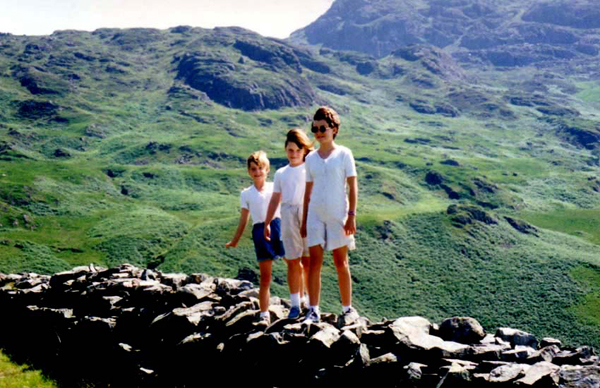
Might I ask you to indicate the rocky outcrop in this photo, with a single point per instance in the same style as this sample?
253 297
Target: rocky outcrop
228 83
265 74
149 328
507 34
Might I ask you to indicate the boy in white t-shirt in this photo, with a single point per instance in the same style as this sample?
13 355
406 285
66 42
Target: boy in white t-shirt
288 191
254 202
329 213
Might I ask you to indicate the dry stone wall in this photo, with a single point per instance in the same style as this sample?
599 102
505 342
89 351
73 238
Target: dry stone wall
126 326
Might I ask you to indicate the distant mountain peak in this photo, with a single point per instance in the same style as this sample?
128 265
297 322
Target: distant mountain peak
501 33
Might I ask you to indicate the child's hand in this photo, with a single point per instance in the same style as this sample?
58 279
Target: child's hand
268 232
231 244
303 230
350 226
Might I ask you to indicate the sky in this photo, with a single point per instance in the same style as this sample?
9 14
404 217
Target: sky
275 18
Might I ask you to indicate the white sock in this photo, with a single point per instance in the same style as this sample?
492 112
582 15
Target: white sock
345 309
316 309
295 299
264 313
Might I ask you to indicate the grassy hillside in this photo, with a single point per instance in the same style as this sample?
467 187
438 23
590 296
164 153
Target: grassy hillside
21 376
472 201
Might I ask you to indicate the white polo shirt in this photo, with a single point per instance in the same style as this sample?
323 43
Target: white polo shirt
257 202
291 182
328 196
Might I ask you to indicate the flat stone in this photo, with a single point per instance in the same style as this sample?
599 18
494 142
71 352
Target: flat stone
519 353
580 376
545 354
541 373
388 358
489 352
174 280
506 373
517 337
547 341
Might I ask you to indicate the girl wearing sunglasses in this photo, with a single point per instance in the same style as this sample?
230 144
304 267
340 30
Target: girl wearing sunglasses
329 217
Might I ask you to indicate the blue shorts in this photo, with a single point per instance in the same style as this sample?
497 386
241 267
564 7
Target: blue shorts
268 250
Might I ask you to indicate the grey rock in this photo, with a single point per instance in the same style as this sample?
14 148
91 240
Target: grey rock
413 371
388 358
413 332
580 376
543 373
455 375
547 341
576 357
545 354
174 280
517 337
506 373
325 337
465 330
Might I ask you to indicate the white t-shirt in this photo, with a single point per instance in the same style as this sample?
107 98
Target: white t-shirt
257 202
291 182
328 196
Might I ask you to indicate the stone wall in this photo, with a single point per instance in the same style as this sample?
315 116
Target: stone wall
129 327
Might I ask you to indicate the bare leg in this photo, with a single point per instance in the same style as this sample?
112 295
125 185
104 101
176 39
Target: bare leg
340 259
294 275
264 293
314 274
305 269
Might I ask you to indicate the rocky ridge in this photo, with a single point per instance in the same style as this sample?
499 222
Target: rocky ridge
125 326
478 32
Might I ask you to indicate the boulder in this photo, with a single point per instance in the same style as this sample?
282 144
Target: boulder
465 330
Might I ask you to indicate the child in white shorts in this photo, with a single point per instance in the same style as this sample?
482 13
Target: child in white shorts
329 212
289 185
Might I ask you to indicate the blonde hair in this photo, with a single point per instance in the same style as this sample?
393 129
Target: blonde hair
259 158
299 137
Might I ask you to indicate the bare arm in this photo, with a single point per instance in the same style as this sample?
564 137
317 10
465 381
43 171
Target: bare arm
307 193
350 226
273 204
244 216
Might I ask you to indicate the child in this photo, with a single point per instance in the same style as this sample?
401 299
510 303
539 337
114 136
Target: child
254 202
289 192
329 215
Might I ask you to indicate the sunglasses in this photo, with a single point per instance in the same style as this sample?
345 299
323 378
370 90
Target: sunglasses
321 129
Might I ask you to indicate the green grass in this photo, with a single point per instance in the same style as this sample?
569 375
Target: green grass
588 310
590 92
584 223
21 376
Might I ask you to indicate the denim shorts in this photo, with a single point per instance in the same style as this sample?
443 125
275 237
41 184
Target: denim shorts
268 250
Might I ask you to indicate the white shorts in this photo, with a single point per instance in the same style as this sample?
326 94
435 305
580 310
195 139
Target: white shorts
291 220
327 231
